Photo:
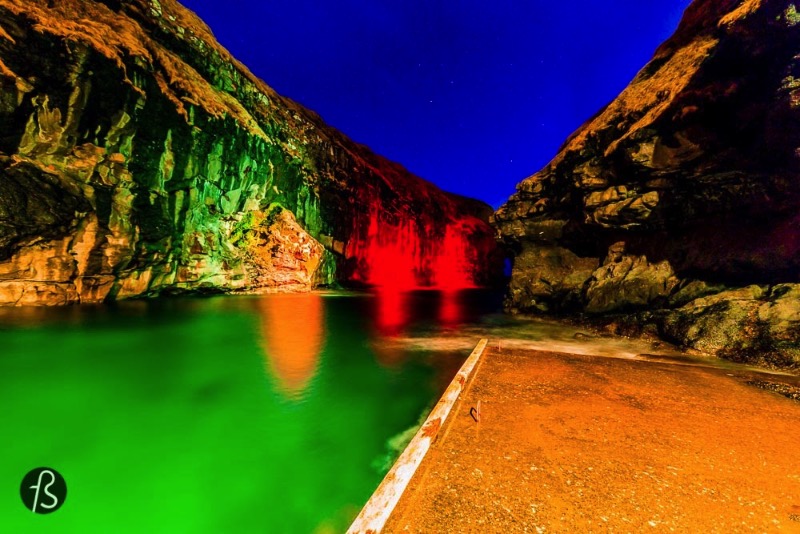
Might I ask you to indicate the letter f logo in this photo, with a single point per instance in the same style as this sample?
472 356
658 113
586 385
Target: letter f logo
43 490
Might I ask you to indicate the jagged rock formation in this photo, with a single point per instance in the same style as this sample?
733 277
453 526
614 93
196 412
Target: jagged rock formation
138 157
676 209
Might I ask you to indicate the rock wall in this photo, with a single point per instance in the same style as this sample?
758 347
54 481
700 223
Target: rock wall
138 157
676 209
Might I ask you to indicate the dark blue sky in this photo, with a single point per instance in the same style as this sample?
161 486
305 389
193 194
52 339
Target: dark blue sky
473 95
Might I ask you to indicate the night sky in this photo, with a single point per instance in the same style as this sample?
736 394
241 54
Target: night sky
473 95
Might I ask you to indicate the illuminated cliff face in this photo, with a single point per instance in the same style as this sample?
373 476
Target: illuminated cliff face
391 309
145 159
456 258
416 252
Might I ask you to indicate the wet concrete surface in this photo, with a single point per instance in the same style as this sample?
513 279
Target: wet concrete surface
582 443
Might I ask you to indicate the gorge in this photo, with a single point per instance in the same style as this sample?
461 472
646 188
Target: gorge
139 158
220 313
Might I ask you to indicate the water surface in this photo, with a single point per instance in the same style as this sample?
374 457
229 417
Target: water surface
276 413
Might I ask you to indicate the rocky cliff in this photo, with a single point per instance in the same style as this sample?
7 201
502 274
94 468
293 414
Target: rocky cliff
676 209
138 157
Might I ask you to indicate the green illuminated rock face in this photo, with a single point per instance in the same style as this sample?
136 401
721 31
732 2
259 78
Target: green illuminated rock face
675 210
137 157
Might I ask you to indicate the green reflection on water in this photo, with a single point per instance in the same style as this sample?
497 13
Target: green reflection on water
167 416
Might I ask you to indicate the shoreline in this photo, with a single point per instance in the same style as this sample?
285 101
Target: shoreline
577 442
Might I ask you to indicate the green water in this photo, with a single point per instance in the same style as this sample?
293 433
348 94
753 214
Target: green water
228 414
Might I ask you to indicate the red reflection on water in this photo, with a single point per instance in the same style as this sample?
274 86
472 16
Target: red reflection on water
292 328
391 311
391 317
450 308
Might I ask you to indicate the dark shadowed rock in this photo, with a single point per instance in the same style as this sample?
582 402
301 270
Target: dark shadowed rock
548 278
628 282
686 187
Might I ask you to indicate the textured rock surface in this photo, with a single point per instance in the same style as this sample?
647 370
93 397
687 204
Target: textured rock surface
682 191
138 157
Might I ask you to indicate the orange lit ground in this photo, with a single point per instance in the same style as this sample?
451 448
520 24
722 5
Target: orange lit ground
571 443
